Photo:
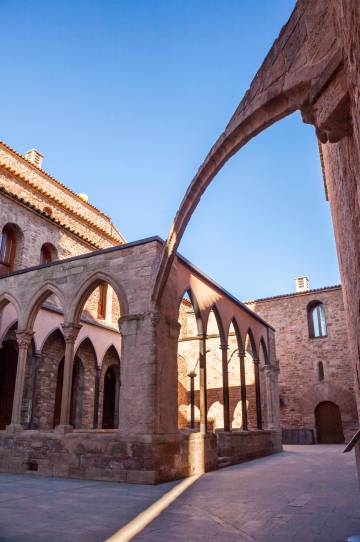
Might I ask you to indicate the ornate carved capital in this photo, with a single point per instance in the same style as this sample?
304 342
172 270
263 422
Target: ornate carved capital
71 331
23 337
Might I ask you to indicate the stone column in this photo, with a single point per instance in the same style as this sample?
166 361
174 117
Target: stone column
243 392
257 393
267 400
202 374
96 398
71 331
138 366
225 374
23 338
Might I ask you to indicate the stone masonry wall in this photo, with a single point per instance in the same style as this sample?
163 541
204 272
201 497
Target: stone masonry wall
298 354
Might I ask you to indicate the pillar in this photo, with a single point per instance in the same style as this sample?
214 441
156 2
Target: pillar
71 332
257 393
96 398
202 373
23 338
243 392
225 374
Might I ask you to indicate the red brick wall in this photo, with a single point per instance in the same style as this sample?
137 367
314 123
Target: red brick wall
298 355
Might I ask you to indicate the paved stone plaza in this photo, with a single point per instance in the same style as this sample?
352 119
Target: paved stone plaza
307 493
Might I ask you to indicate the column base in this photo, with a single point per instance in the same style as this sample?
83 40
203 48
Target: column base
14 428
64 428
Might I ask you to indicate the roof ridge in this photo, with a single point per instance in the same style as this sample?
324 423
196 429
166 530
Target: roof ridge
334 286
40 170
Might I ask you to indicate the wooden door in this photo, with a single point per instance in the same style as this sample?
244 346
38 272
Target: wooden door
328 423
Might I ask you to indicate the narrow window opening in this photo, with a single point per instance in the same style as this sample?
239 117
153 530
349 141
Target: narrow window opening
7 250
321 373
48 254
103 288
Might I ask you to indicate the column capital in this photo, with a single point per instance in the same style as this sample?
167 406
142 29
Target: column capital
71 331
224 346
23 337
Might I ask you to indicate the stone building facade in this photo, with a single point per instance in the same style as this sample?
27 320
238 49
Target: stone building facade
316 382
89 368
43 221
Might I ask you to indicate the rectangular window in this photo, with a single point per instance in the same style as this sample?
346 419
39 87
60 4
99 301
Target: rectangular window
102 301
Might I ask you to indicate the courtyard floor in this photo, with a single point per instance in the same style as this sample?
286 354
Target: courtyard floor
305 494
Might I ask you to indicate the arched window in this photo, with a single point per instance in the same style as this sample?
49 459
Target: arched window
321 373
7 249
48 253
317 320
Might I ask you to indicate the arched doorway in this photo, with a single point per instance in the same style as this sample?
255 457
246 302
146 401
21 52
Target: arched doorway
109 399
328 423
8 366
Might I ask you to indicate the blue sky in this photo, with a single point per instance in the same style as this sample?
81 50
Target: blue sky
124 98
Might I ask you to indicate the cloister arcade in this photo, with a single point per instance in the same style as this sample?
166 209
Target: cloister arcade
121 387
312 67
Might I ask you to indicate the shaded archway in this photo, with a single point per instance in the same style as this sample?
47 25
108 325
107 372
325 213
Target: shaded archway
329 427
8 366
46 397
77 394
109 402
86 385
109 390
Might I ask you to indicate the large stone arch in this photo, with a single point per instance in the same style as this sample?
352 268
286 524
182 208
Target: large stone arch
88 286
7 298
28 317
294 75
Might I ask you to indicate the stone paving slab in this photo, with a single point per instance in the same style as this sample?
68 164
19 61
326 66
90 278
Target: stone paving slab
306 494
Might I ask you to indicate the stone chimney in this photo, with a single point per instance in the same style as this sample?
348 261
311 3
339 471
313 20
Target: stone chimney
35 157
302 284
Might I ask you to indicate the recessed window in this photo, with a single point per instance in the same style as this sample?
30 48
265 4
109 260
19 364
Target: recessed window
7 249
317 320
48 254
321 373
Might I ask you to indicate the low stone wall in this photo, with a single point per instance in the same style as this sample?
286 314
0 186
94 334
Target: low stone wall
298 436
108 455
239 446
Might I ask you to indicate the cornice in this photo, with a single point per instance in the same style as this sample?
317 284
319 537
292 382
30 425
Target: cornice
67 208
